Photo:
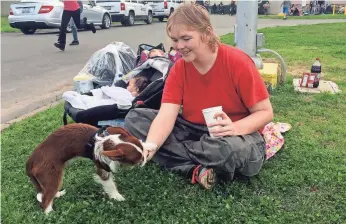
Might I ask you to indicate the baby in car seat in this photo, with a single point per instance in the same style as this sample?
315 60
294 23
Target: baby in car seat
156 53
137 84
108 95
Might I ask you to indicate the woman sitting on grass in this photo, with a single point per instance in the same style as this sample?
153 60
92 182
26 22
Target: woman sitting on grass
209 74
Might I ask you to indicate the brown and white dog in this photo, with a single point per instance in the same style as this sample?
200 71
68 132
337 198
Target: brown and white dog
109 148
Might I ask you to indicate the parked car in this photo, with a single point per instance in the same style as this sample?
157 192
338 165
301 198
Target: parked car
30 15
128 11
163 8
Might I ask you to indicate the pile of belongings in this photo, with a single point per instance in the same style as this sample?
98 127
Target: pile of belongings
101 86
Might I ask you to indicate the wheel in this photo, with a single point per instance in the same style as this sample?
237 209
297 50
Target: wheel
106 22
170 12
149 19
161 18
28 30
130 19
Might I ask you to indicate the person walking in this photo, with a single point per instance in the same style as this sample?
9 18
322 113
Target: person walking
285 6
232 8
73 26
266 7
71 10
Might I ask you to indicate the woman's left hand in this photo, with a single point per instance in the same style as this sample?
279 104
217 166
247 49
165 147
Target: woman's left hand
224 127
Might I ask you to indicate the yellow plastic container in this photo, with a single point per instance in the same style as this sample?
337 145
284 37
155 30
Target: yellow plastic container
83 83
82 77
269 74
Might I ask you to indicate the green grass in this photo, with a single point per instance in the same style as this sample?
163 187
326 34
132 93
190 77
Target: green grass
303 183
300 45
324 16
5 26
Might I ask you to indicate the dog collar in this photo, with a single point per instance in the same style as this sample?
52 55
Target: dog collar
89 147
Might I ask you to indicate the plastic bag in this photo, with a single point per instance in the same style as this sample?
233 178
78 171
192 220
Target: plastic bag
110 63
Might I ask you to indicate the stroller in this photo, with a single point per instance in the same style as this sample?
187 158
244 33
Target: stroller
155 69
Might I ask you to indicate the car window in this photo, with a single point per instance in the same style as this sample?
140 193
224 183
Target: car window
90 2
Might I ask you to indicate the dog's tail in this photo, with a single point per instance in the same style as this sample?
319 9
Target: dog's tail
31 175
29 165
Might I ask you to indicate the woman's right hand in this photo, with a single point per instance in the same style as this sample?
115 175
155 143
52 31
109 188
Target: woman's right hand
149 150
149 154
158 133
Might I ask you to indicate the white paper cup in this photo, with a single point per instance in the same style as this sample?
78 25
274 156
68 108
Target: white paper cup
208 114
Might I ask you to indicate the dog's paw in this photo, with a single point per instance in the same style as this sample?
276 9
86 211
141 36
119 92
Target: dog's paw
117 197
60 193
48 209
39 197
97 179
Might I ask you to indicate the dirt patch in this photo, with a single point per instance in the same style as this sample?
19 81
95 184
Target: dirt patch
270 60
298 70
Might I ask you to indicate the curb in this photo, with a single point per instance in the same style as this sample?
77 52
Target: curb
30 114
19 113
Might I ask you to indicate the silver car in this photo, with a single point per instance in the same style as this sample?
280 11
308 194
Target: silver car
30 15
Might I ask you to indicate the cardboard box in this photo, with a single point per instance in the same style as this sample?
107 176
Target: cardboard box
308 79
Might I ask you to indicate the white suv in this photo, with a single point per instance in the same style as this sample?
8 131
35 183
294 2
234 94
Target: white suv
163 8
128 11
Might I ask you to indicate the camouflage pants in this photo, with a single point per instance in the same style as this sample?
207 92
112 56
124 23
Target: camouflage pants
189 145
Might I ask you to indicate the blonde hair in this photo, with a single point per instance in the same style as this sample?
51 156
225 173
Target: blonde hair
194 17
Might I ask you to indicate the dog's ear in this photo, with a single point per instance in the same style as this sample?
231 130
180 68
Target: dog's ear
133 140
116 154
124 153
108 145
117 131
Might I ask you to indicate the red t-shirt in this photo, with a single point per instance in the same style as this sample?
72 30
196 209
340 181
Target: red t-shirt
233 82
71 5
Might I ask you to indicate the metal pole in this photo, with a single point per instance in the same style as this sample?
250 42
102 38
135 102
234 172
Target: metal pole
245 32
246 37
247 26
